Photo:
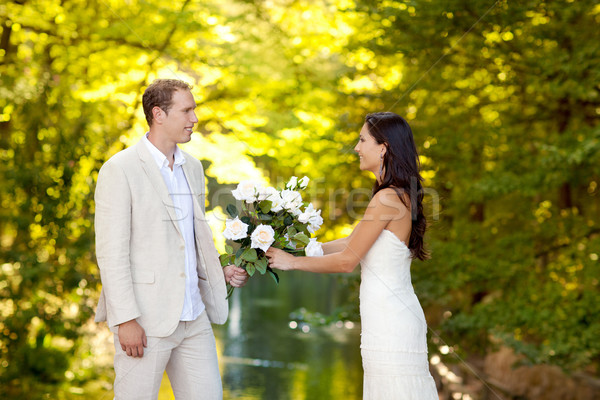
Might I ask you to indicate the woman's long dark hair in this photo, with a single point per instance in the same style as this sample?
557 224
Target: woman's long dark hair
401 171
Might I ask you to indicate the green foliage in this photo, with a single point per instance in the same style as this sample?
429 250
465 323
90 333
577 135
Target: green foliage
301 238
249 255
503 99
232 210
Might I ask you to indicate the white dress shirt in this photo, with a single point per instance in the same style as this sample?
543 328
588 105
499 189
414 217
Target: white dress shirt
181 195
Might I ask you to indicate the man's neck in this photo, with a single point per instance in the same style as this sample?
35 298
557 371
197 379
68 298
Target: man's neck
165 146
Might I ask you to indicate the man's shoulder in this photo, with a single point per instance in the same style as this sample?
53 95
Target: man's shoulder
122 163
124 156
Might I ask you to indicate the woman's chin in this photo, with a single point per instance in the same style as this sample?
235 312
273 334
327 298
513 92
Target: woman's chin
364 168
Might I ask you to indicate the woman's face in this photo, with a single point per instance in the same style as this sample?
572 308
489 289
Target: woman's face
369 151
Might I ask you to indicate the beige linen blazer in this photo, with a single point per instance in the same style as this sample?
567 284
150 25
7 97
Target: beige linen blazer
140 249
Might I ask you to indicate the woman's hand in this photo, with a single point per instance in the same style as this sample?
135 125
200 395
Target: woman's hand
279 259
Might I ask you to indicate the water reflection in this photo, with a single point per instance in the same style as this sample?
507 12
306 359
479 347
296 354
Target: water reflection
264 356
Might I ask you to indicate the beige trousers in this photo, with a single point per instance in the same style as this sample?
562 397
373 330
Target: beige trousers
189 356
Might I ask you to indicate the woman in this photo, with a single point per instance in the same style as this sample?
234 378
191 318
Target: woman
394 331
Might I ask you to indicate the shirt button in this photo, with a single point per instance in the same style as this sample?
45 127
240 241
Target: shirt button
182 247
182 275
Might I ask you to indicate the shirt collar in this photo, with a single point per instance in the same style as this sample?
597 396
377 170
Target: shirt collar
160 158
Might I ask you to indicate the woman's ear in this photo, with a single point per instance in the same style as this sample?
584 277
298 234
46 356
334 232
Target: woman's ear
383 150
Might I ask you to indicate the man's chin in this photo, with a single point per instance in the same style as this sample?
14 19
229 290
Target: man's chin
185 139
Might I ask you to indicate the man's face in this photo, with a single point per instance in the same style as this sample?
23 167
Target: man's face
179 122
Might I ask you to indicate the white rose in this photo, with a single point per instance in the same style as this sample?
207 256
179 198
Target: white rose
246 190
314 248
292 183
275 198
263 193
304 217
315 222
262 237
292 201
307 214
235 229
304 182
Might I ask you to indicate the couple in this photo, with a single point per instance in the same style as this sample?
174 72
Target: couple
162 280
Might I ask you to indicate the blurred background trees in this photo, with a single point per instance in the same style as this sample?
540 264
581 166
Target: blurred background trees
503 98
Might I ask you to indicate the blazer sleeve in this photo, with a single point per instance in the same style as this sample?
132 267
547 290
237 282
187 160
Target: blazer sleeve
113 229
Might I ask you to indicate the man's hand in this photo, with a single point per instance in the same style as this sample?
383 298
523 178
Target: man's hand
235 276
132 338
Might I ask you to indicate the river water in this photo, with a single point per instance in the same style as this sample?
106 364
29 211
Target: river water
268 352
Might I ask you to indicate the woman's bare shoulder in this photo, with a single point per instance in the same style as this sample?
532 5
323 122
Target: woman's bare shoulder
387 201
390 196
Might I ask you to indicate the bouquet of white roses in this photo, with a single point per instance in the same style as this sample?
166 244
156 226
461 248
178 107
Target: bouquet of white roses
270 217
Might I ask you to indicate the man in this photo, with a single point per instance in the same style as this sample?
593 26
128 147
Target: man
162 281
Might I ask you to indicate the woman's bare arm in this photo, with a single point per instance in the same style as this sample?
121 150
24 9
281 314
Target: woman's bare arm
335 246
380 212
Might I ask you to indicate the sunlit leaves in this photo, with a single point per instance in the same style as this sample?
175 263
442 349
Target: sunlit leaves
503 100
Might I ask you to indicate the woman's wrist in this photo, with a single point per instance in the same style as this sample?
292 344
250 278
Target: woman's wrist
294 262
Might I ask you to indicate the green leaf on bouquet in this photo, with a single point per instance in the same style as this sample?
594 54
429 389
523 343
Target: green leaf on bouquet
250 269
265 206
301 228
224 258
238 261
291 231
302 238
246 219
273 275
232 210
230 290
288 220
228 249
238 253
245 243
276 223
249 255
261 265
265 217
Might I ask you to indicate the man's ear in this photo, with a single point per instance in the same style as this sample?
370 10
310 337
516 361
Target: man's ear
158 114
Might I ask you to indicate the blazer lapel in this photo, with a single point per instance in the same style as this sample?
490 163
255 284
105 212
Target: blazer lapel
157 181
195 187
201 227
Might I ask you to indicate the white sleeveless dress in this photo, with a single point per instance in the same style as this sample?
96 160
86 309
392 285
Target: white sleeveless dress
394 331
